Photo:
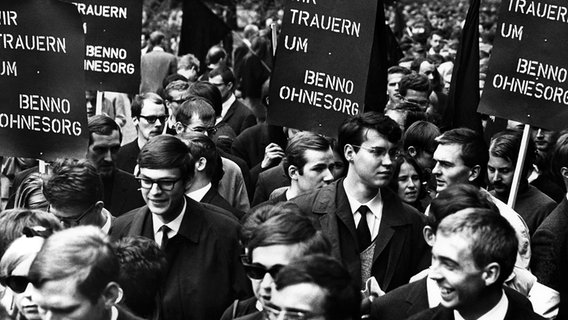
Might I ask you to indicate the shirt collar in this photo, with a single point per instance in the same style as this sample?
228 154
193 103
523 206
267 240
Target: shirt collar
113 313
375 204
174 225
498 312
198 194
227 104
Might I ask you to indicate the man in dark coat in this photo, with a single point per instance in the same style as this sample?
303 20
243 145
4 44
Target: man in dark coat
372 232
201 244
120 188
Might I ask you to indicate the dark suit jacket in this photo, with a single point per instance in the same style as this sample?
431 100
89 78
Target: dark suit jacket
239 117
214 198
127 155
520 308
125 194
401 302
268 181
400 250
205 274
549 261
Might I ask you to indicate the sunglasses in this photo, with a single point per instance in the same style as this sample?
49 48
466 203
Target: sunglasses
153 119
18 284
257 271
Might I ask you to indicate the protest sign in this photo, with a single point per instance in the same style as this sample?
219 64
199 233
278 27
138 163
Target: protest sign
112 43
42 111
322 63
526 80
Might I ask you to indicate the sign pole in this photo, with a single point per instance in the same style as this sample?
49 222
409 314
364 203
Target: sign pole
519 167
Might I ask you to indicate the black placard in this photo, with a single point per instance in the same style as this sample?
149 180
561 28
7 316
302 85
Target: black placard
322 63
43 113
112 43
528 70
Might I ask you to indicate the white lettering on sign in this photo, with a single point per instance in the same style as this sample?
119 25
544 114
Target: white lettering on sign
36 102
8 18
8 68
540 10
101 10
542 70
328 23
33 43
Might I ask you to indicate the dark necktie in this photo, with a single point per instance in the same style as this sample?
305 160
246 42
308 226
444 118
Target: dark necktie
165 229
363 232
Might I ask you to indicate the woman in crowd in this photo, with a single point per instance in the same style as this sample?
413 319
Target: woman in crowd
407 181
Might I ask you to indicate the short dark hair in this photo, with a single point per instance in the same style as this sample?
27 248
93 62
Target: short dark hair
491 236
225 72
138 102
215 54
73 184
103 125
194 106
201 145
414 81
422 136
178 85
209 92
354 129
297 147
474 150
342 298
398 69
13 222
559 157
506 144
29 194
282 224
83 252
166 152
455 198
143 267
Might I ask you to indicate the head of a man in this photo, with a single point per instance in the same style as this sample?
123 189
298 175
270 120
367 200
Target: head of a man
415 88
461 157
370 145
208 162
503 152
143 267
436 41
474 253
273 236
544 141
216 56
224 79
104 142
314 287
559 159
419 141
209 92
75 193
165 167
188 66
308 162
405 113
175 93
149 115
74 275
394 74
424 66
195 115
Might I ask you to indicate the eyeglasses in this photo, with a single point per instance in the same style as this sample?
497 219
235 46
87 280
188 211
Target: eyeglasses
164 185
380 152
73 221
152 119
204 130
273 312
257 271
18 284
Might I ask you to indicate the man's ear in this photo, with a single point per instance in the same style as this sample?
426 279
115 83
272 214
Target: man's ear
112 294
429 235
179 128
136 121
564 173
230 85
293 172
99 206
491 273
474 173
200 164
412 151
348 152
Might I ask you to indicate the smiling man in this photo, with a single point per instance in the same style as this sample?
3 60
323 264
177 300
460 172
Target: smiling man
371 230
201 243
473 254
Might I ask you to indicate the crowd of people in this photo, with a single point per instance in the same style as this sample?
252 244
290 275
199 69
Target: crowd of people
210 212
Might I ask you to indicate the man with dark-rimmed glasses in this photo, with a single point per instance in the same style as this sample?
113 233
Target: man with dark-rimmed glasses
200 241
75 195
